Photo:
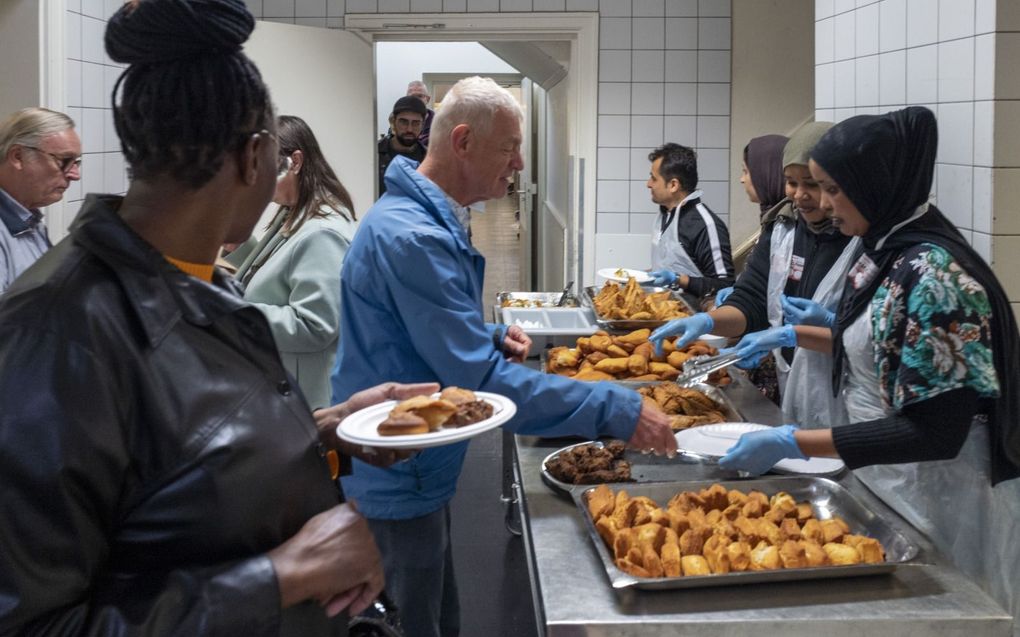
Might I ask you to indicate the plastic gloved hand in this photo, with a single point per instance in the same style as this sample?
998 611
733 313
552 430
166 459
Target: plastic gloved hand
758 451
686 329
760 342
722 295
800 311
751 362
663 278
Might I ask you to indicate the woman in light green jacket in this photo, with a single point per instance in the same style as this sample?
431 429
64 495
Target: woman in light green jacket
293 273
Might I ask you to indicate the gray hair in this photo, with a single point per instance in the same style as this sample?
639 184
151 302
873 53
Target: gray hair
413 84
29 126
473 101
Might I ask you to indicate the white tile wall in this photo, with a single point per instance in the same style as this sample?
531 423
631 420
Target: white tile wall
640 198
680 129
681 99
681 66
614 98
685 8
646 98
866 30
956 70
615 66
649 66
956 19
664 73
867 81
89 83
613 163
892 25
957 57
681 33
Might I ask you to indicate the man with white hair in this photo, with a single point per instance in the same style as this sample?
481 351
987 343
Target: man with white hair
417 88
411 302
40 155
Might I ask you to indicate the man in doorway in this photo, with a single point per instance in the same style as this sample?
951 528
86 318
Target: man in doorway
40 155
405 124
411 303
417 88
690 244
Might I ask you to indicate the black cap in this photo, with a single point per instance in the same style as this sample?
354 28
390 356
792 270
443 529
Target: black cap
408 103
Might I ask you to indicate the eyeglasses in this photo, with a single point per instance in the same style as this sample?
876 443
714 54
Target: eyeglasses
65 164
283 166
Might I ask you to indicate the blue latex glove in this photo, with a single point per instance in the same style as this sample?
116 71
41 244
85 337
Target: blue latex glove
663 278
758 451
799 311
686 329
751 362
722 295
760 342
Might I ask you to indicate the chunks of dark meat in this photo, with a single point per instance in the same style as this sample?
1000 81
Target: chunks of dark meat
592 463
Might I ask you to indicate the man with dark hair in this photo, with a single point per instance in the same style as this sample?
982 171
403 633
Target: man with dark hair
417 88
690 244
405 126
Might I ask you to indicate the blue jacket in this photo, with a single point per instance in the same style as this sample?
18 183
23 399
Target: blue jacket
411 290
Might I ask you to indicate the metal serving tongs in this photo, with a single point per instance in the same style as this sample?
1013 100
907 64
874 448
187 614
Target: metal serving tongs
698 368
566 292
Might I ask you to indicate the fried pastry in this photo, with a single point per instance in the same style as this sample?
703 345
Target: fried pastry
694 565
434 411
458 396
765 557
842 554
403 424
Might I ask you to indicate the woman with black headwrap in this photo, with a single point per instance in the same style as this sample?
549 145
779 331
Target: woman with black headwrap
161 473
925 345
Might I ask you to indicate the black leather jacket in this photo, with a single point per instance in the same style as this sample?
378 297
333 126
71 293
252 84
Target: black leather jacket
152 449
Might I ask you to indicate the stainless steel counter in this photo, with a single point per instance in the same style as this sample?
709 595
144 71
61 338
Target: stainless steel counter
573 596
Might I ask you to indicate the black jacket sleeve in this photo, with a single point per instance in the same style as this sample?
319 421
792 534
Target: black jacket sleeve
751 288
932 429
710 247
64 477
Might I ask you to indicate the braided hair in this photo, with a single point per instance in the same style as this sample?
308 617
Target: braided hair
189 96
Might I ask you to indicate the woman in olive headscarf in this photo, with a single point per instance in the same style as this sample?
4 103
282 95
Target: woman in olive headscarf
926 336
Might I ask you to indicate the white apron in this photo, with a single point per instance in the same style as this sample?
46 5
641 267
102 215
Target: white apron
950 501
807 395
667 253
780 258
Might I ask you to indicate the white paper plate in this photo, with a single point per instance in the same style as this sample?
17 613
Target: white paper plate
715 440
610 274
361 427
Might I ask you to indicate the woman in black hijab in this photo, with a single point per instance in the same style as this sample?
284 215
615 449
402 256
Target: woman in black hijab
926 337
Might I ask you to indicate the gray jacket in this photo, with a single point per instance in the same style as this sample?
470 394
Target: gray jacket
295 282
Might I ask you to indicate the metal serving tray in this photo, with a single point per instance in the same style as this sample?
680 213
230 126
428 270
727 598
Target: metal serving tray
533 299
634 384
828 499
625 325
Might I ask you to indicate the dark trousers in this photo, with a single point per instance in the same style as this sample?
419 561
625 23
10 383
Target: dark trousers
418 560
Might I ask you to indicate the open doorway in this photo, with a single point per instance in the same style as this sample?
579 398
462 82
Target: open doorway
496 225
563 106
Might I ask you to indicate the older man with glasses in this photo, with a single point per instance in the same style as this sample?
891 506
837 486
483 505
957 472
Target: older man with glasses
40 155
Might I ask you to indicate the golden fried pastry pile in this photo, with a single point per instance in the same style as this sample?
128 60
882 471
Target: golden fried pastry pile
686 407
717 531
631 303
628 357
455 407
591 463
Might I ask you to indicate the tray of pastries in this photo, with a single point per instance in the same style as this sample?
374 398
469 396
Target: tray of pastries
631 306
534 299
630 358
664 535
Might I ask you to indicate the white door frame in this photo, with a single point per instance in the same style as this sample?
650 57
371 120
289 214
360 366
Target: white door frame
581 30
